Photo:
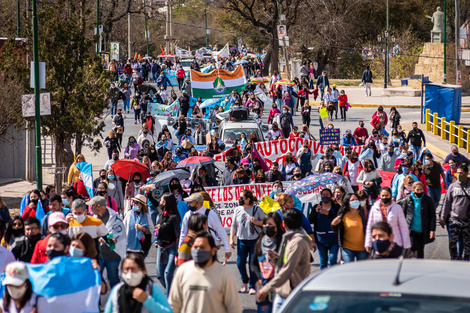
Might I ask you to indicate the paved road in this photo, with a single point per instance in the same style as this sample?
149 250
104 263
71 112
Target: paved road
436 250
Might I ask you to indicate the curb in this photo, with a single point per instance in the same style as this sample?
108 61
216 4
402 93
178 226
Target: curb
436 151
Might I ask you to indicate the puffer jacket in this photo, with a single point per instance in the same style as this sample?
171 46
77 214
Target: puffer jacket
428 215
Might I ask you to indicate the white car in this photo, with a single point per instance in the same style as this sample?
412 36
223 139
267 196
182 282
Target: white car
235 122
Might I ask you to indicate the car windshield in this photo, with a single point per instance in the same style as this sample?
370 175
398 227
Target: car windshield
230 135
375 303
186 63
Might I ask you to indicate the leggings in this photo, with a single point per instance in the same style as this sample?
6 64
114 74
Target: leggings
136 114
343 112
180 83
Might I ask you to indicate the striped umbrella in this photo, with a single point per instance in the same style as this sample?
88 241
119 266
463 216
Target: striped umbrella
259 80
285 82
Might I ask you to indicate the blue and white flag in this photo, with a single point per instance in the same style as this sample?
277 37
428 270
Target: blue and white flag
39 208
211 102
66 285
86 174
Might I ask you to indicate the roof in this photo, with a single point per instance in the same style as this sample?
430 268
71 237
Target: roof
419 277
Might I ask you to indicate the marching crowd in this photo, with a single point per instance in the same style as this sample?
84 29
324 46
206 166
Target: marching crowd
128 215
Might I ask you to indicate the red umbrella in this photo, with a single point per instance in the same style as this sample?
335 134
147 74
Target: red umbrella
126 168
195 161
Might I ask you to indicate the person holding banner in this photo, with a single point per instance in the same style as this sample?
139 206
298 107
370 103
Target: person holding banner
286 121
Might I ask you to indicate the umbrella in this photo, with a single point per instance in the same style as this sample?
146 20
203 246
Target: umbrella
146 88
165 177
259 80
195 161
285 82
312 182
126 168
241 62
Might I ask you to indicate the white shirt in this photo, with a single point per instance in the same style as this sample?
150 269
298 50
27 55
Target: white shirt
142 137
164 94
213 222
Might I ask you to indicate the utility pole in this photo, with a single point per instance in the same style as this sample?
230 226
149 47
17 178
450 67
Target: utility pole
129 36
386 51
146 30
281 18
205 21
98 22
169 26
457 43
445 40
18 19
36 96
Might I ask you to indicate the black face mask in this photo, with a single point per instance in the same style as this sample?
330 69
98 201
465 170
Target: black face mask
386 200
297 175
101 193
241 201
103 176
51 254
34 238
325 199
115 158
137 181
174 187
269 230
18 232
35 201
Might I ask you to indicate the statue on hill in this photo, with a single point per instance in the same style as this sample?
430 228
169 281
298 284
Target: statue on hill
437 32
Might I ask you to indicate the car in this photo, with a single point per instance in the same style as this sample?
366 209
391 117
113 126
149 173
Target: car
237 121
379 286
186 64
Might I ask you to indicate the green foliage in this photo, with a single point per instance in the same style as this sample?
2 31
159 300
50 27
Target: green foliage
351 65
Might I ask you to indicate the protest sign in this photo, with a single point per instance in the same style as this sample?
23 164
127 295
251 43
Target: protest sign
171 76
330 136
275 151
164 110
217 83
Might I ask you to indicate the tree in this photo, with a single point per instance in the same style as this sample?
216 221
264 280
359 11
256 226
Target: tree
74 77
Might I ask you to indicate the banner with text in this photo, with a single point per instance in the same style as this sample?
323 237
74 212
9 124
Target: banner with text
164 110
275 151
330 136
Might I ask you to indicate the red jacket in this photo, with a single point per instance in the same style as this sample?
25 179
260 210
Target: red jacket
39 253
28 212
272 113
180 73
342 100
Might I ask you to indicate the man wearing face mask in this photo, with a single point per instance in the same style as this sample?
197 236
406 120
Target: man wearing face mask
415 137
348 139
23 246
79 221
361 133
56 224
145 136
296 174
457 157
195 204
110 257
455 212
203 285
55 205
433 172
114 159
383 245
102 191
274 174
387 161
229 171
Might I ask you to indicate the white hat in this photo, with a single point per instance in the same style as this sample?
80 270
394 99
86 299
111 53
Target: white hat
16 273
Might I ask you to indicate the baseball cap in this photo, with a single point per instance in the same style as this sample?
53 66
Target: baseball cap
348 131
56 217
99 200
195 197
16 273
245 161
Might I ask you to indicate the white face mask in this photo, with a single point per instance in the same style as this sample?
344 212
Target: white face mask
363 203
17 292
63 232
79 218
330 126
133 279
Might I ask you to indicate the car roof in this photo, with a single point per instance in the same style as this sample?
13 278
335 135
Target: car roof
241 124
419 277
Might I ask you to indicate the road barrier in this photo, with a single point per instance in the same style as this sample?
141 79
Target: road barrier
447 130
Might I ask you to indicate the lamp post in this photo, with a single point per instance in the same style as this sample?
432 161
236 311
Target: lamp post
205 22
98 22
389 63
18 19
381 40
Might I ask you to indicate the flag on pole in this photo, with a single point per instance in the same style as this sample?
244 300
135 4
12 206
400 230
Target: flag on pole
256 155
217 83
163 51
86 175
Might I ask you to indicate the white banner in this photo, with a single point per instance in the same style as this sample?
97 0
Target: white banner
182 53
115 51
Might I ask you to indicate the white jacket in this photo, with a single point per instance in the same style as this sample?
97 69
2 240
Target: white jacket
396 219
115 226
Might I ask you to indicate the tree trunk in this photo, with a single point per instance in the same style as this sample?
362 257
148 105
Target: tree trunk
267 62
332 62
78 144
275 51
63 159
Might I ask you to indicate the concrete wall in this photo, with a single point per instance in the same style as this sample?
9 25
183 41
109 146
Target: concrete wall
13 153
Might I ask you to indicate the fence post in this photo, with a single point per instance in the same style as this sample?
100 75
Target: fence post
434 124
460 141
451 131
468 141
443 128
428 124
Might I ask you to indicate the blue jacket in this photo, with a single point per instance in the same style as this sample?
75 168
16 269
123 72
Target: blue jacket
351 141
163 81
449 178
396 180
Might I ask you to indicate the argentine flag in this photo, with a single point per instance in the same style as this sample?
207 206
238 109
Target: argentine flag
39 209
86 174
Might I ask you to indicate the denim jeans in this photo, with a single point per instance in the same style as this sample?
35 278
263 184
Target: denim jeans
112 270
165 270
246 250
416 151
350 255
126 105
153 214
327 254
435 194
136 114
114 108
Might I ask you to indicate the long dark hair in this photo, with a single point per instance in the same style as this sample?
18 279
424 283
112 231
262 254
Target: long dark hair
277 220
27 295
9 231
345 206
180 188
170 207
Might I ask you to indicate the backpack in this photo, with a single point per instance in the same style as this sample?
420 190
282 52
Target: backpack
285 121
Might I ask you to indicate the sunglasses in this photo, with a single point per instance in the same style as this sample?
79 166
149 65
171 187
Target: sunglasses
59 226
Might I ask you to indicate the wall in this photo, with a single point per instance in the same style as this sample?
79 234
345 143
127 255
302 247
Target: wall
13 154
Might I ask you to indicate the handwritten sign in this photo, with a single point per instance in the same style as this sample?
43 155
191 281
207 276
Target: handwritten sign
330 136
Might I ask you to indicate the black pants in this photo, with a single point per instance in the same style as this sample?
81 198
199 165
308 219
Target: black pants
343 113
459 228
286 132
302 101
417 244
180 83
335 103
306 120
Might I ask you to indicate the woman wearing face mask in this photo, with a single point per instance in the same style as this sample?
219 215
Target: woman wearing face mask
420 214
285 120
352 168
338 195
177 190
132 149
31 209
137 292
102 191
15 229
57 245
389 211
213 147
351 224
115 189
394 139
321 217
133 187
370 179
272 113
328 157
137 224
305 156
246 222
417 170
451 173
364 197
197 222
111 143
167 232
274 133
18 296
395 118
296 174
289 165
264 260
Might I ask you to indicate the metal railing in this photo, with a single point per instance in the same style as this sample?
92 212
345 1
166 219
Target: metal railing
456 134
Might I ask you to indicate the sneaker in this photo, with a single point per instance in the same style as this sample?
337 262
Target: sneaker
252 291
244 288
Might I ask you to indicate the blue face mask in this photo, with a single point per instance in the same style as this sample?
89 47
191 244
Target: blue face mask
381 245
75 252
405 170
65 202
390 153
276 191
111 177
355 204
135 208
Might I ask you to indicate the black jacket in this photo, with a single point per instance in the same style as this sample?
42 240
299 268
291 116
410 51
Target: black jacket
23 248
340 227
184 105
428 214
313 217
367 76
415 136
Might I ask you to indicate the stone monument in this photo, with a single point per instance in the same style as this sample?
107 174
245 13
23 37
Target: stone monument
437 32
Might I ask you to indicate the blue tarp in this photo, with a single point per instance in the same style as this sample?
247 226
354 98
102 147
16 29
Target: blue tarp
445 100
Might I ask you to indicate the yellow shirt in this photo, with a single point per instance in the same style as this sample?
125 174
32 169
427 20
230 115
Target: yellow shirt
353 238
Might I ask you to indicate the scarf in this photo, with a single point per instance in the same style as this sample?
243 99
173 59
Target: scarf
268 243
127 304
384 210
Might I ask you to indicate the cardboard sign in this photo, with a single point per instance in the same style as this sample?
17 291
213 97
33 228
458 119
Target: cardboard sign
330 136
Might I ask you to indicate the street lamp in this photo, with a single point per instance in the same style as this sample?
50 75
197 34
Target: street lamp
381 40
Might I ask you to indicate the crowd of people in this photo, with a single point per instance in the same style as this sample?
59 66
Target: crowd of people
127 216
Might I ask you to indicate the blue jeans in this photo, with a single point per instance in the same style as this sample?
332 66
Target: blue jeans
350 255
246 250
165 270
114 108
435 194
321 124
153 214
416 151
136 114
126 105
327 253
112 269
322 91
277 303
